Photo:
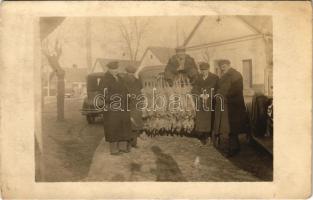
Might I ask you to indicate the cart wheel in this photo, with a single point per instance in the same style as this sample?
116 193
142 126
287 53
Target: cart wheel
90 119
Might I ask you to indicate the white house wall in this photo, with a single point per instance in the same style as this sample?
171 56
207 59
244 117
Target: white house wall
236 53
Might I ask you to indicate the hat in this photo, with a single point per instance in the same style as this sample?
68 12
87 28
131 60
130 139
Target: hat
223 61
112 65
130 69
204 66
180 49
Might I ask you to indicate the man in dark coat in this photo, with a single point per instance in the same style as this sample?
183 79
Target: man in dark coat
117 122
134 86
230 112
205 88
180 62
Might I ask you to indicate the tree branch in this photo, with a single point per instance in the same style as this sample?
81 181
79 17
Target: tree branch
133 35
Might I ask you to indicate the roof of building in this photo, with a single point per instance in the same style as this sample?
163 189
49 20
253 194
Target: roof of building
76 74
122 63
162 53
218 29
262 24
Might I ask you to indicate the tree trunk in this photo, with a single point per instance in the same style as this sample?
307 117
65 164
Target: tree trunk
60 96
88 44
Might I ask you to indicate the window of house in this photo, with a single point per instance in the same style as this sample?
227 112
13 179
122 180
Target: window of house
247 73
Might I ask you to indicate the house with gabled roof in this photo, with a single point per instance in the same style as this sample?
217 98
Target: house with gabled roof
153 62
244 40
154 56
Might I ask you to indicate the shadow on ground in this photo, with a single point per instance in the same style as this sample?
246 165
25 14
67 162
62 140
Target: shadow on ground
254 159
166 167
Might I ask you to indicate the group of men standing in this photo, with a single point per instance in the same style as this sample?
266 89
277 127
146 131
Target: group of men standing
221 124
226 116
122 122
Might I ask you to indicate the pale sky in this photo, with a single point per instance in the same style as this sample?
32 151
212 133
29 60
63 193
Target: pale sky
106 40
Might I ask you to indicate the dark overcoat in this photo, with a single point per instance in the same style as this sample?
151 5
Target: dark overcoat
233 119
134 87
117 123
172 69
205 113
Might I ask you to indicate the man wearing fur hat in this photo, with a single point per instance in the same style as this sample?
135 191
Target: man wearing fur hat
180 63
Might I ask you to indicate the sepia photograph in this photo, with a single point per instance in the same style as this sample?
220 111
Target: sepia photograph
156 99
160 98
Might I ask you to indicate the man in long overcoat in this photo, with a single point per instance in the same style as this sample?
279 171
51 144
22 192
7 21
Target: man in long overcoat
180 62
230 112
205 88
134 86
117 123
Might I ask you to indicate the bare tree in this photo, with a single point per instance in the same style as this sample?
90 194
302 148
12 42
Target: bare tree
53 60
133 31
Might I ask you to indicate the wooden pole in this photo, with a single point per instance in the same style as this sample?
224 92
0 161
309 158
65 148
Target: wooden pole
60 95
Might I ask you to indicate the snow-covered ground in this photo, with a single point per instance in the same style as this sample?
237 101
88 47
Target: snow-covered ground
76 151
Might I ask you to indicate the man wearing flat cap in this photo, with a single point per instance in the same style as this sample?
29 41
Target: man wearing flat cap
117 124
230 122
205 87
180 63
134 86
